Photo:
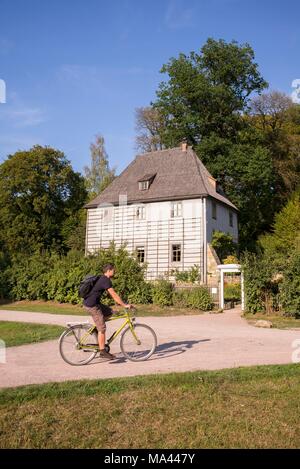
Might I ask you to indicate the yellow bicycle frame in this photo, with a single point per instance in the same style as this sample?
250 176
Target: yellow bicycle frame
128 321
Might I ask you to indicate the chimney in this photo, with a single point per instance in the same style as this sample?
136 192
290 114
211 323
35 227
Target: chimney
184 145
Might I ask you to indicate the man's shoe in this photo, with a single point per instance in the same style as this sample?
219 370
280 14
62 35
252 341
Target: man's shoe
105 354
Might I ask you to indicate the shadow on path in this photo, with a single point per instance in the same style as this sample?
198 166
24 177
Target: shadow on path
165 350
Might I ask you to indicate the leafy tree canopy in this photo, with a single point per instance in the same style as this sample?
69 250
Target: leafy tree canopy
206 92
39 190
99 174
285 238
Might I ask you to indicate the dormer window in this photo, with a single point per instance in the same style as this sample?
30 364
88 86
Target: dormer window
146 181
143 185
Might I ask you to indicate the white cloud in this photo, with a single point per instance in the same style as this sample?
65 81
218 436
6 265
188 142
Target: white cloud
16 113
178 15
296 93
23 117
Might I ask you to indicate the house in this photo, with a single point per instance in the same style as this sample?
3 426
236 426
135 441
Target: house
165 206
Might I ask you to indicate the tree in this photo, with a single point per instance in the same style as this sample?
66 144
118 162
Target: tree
74 231
246 175
204 101
271 110
285 236
149 125
277 119
39 191
99 175
223 244
206 92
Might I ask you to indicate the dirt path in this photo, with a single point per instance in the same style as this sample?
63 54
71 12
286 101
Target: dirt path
185 343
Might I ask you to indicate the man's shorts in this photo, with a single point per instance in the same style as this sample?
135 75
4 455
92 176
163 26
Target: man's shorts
100 314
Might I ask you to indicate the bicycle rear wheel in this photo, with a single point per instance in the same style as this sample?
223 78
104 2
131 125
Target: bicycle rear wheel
140 344
71 349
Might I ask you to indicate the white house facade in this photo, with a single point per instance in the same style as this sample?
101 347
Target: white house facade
164 206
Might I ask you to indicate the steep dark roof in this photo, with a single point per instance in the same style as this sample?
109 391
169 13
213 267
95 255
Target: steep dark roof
178 175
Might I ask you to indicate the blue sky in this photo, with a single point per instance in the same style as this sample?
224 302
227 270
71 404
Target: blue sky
75 68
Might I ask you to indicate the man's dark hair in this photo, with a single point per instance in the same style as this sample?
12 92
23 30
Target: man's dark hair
107 267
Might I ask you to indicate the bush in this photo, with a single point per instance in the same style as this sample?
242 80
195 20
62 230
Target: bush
223 244
4 286
290 287
192 275
27 277
198 298
231 260
142 294
261 293
162 293
53 277
232 292
179 298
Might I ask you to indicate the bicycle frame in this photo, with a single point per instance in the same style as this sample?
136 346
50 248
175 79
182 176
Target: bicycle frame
129 320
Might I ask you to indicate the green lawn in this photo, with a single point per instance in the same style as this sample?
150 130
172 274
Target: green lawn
255 407
65 308
19 333
279 322
44 307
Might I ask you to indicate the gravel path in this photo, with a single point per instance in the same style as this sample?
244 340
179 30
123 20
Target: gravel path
185 343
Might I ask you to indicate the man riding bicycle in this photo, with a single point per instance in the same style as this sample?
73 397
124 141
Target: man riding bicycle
99 311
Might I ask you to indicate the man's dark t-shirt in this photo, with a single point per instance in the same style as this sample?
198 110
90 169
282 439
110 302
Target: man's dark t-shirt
102 284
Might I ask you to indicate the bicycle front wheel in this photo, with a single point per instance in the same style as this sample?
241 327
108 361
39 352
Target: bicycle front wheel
71 347
139 344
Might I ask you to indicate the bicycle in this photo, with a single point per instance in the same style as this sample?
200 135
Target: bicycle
78 344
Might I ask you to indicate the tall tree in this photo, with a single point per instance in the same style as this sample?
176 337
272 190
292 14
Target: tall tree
149 125
285 236
99 174
39 191
204 101
206 92
270 110
277 119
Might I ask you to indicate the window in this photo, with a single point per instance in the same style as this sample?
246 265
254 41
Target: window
176 209
104 215
146 181
176 252
230 219
140 213
143 185
214 210
141 254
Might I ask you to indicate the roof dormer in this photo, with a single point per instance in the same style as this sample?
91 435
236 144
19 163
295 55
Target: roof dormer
146 181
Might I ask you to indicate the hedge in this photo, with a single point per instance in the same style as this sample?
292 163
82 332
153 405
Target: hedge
198 298
49 276
270 288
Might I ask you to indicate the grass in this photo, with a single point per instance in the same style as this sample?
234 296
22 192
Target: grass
279 322
255 407
19 333
66 308
44 307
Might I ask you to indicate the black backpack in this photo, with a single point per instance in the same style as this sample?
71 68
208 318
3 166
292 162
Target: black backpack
86 285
